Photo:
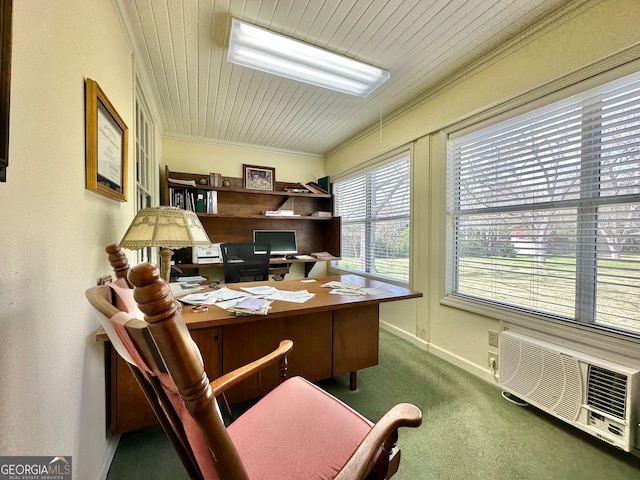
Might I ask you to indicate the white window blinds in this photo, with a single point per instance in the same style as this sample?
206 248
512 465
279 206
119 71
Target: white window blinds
544 209
375 210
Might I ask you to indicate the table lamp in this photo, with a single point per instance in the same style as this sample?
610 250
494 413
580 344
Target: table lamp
166 227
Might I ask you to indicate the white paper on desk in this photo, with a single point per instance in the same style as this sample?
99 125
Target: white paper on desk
209 298
264 290
193 278
374 290
179 289
299 296
346 291
346 286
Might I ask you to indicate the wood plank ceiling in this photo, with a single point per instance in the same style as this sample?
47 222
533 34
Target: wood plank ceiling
180 46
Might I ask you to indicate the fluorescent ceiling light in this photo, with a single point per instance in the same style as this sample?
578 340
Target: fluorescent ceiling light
270 52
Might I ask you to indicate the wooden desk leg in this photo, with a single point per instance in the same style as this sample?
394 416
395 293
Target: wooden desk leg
353 380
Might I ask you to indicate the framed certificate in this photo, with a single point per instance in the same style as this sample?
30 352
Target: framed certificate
106 145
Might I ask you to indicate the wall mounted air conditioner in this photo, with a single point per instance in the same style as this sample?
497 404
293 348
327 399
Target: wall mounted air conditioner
595 395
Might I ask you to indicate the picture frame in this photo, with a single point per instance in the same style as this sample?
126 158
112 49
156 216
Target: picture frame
106 145
255 177
6 7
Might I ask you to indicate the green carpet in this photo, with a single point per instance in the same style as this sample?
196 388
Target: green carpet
469 431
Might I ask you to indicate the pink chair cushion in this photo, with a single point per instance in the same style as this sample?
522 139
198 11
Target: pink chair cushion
124 298
297 432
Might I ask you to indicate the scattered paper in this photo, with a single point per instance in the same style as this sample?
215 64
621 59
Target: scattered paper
210 298
300 296
342 288
193 278
265 290
251 306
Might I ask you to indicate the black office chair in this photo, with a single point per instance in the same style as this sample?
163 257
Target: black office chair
245 262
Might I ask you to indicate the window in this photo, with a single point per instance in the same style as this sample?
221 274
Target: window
375 209
146 170
544 210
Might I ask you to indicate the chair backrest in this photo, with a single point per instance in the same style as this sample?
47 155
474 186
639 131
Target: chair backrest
245 262
129 336
182 359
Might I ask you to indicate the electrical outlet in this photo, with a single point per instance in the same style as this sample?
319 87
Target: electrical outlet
492 361
493 338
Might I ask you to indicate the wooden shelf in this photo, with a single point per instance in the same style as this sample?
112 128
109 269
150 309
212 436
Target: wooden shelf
241 211
270 217
250 192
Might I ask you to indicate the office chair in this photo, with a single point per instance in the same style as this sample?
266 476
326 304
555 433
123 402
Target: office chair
297 431
245 262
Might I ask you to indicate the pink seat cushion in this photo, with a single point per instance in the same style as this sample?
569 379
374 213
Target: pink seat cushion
297 432
124 298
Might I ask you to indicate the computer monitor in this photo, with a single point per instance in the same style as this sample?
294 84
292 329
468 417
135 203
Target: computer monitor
283 242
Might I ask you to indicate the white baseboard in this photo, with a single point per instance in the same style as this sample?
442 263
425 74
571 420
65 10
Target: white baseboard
405 335
482 372
110 452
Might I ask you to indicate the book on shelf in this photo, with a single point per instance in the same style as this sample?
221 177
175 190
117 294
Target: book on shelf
297 189
321 214
315 188
276 213
215 179
325 182
189 183
200 201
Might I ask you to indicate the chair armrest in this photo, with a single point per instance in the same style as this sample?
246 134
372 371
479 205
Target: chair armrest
401 415
222 383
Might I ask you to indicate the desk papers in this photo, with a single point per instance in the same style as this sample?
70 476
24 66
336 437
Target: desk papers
227 299
342 288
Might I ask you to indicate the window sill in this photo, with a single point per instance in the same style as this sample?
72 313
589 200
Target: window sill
598 341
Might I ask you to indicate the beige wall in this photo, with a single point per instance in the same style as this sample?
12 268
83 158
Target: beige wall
195 155
54 231
461 337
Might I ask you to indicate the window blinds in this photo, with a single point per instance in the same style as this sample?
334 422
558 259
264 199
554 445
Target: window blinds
544 209
375 210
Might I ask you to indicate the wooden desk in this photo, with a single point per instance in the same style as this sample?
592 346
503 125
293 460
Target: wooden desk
332 335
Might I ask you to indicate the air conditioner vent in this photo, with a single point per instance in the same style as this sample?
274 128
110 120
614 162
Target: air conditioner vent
607 391
598 396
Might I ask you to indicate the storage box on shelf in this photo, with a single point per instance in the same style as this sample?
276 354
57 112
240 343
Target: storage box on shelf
241 211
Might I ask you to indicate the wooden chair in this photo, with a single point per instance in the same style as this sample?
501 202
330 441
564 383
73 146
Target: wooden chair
110 301
297 431
245 262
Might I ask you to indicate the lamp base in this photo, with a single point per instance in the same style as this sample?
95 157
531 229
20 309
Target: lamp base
165 263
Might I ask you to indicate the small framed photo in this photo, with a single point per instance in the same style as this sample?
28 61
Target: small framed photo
258 178
106 145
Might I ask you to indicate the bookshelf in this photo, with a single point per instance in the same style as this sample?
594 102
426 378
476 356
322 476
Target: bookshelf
239 212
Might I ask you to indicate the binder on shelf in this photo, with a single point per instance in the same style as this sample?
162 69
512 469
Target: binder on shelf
325 182
200 201
212 201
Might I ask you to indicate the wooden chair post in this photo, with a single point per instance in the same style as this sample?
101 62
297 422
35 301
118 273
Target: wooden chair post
178 351
118 261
